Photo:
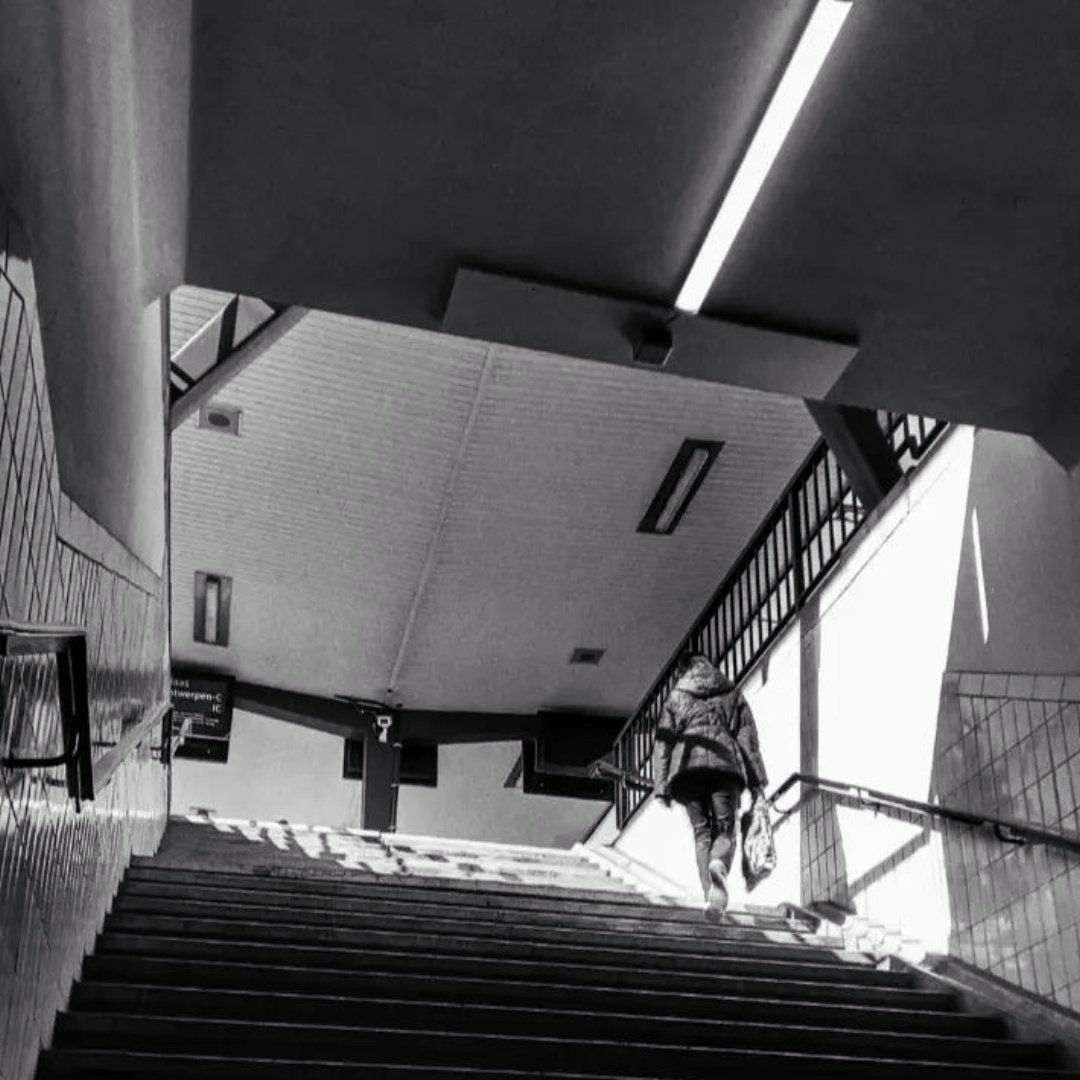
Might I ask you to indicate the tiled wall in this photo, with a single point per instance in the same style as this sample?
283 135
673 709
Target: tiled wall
1008 746
59 869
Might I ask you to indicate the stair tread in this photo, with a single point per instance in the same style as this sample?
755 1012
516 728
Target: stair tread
770 1034
468 894
216 830
210 1065
154 897
535 957
143 997
289 892
116 967
373 931
595 885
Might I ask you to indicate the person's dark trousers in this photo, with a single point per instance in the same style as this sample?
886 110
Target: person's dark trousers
713 807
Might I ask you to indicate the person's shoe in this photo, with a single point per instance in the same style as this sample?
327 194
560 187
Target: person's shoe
717 900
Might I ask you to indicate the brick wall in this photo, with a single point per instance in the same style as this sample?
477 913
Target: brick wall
59 869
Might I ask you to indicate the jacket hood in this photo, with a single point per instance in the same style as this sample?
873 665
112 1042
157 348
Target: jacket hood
702 679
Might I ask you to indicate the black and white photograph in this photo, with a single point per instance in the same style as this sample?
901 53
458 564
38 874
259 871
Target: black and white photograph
539 539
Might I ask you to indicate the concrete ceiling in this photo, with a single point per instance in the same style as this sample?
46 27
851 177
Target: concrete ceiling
354 157
451 517
350 157
461 514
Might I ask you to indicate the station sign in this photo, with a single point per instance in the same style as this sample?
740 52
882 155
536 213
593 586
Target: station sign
202 708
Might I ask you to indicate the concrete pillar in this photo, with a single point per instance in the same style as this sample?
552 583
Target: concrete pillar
378 796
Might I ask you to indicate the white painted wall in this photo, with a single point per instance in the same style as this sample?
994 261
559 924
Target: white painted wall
275 770
278 770
884 625
1028 512
471 802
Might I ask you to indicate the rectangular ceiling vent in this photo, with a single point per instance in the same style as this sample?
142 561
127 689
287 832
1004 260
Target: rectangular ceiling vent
221 418
586 656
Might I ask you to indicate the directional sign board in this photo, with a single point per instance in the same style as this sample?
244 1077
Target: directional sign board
202 706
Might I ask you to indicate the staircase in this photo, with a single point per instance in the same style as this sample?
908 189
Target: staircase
269 952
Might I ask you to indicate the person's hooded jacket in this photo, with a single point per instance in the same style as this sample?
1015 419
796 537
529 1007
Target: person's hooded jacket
706 725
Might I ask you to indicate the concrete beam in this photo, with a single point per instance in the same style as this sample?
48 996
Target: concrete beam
430 726
861 448
225 370
548 318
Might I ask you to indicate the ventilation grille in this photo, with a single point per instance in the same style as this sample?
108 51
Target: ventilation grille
583 655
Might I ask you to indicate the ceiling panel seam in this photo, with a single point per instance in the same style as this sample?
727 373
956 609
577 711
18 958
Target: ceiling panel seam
444 510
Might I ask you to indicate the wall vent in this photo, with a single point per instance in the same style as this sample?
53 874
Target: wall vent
222 418
583 655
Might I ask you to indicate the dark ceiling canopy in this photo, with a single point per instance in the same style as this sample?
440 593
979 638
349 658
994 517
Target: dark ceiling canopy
354 157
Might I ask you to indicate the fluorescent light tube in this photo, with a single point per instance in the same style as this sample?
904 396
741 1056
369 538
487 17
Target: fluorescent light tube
698 460
213 601
803 67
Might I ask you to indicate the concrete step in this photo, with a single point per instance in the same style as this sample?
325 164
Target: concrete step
90 1064
578 1016
332 947
472 908
547 969
544 988
602 891
241 847
362 928
350 955
344 888
202 833
625 1050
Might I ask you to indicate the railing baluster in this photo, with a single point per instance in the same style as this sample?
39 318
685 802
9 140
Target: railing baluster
818 541
760 599
827 471
744 619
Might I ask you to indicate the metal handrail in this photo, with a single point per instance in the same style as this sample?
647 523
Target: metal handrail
107 765
604 770
1007 830
788 558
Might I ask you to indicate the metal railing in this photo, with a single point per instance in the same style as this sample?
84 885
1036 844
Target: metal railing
1005 829
789 556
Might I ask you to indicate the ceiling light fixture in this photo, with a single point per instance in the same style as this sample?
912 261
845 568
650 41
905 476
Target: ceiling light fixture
679 486
802 69
213 597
